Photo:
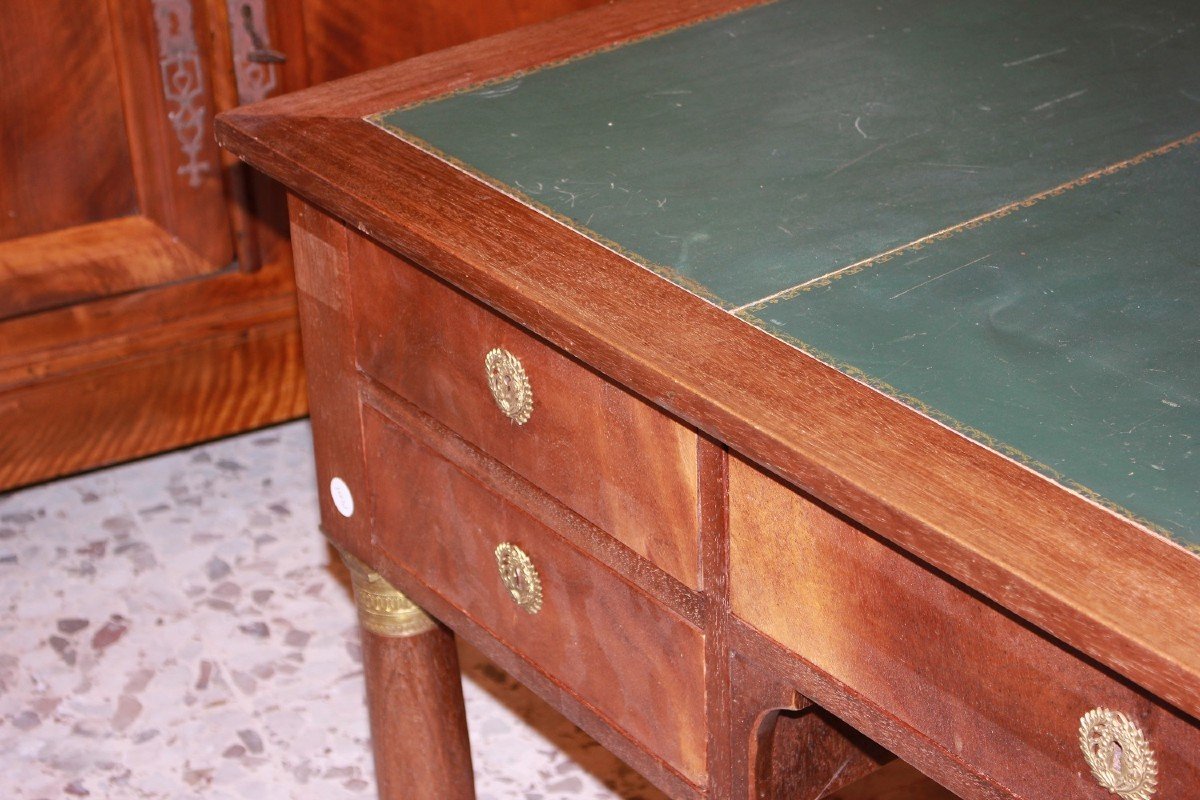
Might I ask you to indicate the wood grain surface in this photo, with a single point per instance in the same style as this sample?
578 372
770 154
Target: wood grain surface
87 262
1096 581
786 668
712 471
537 503
108 411
896 781
636 663
342 34
813 754
38 346
182 192
323 293
1000 696
64 152
122 376
603 452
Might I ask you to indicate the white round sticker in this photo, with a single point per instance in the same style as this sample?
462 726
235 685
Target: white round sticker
342 499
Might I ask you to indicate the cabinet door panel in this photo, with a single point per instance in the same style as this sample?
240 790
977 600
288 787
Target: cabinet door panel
164 59
110 179
64 153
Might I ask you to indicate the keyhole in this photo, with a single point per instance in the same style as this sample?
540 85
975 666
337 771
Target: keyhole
513 578
1118 758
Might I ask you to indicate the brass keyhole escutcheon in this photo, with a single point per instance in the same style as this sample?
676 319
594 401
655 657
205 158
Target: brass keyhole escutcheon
519 577
1118 754
509 384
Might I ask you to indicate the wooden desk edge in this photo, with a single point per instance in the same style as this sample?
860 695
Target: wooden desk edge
1095 580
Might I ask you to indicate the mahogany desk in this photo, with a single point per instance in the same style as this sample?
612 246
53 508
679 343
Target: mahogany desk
750 381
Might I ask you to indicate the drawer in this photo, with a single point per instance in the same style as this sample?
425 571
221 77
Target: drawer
1002 696
615 648
604 453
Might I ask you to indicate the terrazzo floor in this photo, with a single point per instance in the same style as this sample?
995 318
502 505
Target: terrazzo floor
174 628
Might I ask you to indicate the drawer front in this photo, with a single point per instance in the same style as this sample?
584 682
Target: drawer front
617 649
607 455
1002 696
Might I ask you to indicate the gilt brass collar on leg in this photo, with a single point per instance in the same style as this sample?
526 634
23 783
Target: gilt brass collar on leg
382 609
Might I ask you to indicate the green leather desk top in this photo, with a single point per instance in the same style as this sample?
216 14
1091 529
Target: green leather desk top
989 209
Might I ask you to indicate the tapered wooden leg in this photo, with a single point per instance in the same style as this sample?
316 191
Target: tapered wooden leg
414 689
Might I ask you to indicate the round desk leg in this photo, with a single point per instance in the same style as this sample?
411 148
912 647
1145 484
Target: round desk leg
414 689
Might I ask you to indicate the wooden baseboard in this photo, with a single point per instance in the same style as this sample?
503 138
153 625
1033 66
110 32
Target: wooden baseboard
117 410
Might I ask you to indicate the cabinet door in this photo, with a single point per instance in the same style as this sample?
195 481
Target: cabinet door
110 179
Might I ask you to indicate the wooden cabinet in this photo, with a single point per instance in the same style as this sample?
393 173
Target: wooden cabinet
146 291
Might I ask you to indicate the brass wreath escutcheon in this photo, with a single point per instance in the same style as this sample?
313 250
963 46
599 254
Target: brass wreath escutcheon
1118 753
509 384
519 576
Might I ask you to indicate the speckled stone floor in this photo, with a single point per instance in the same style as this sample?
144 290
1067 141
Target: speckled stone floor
174 628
